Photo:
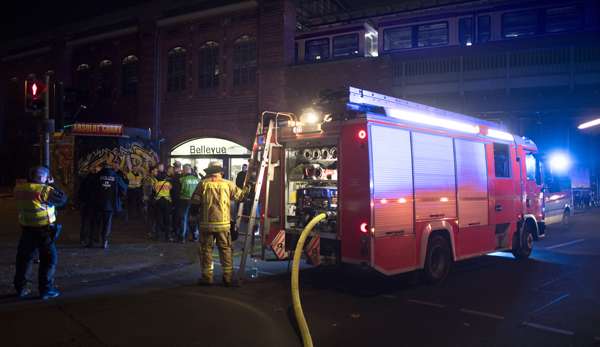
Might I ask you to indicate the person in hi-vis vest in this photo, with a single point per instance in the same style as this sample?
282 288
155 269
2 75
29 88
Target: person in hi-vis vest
36 201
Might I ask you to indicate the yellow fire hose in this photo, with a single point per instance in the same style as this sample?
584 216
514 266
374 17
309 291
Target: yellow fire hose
302 325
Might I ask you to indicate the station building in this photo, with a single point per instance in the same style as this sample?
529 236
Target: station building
198 75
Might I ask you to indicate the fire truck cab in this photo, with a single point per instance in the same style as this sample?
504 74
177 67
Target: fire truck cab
405 186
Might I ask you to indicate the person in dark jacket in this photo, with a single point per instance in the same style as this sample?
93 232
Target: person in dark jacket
87 208
110 189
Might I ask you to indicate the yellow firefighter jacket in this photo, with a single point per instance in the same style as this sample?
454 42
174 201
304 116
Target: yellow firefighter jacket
214 196
32 204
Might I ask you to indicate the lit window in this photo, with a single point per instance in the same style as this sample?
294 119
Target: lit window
83 67
244 61
176 69
208 62
345 46
435 34
518 24
129 75
484 29
465 31
105 63
397 38
316 50
371 44
563 19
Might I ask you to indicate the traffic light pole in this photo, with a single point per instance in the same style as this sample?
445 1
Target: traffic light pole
46 126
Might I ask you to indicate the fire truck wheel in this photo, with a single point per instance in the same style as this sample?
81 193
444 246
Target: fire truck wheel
524 246
439 259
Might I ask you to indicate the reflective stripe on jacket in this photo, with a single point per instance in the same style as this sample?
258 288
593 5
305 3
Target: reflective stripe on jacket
188 186
135 181
162 190
32 204
215 195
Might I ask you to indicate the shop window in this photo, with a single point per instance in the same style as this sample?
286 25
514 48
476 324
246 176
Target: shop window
502 160
434 34
519 24
465 31
345 46
316 50
208 65
484 29
560 19
176 69
129 75
244 61
397 38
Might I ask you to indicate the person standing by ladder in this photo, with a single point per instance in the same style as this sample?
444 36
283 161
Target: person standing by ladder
214 195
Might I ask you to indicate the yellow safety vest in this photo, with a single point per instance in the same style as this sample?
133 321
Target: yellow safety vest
135 181
215 197
32 204
162 190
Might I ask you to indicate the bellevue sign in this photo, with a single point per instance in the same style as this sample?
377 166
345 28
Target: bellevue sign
209 147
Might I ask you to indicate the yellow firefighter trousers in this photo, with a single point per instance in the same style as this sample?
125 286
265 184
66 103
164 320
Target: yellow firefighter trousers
207 241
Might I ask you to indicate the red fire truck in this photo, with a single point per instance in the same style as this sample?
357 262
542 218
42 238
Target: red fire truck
405 186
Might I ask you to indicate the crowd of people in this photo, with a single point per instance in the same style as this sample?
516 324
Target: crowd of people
178 204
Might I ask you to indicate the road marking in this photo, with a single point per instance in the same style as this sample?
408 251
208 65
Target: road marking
482 314
426 303
550 329
564 296
565 244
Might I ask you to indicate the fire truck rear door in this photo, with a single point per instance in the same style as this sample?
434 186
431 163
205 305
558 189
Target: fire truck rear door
503 194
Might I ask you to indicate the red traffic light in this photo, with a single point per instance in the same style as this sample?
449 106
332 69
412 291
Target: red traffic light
34 89
34 96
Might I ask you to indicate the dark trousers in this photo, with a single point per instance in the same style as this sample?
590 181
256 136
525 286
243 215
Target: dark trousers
134 202
32 240
183 214
106 220
162 208
88 223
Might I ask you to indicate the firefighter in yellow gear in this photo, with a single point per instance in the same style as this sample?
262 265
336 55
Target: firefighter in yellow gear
214 195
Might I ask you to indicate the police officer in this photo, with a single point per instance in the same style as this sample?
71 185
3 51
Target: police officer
134 192
187 185
163 205
36 202
214 194
87 208
110 189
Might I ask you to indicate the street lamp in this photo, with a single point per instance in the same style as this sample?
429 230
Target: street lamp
589 124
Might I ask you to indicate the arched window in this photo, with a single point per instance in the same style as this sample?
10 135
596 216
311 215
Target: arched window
176 69
83 79
129 75
105 85
244 61
208 65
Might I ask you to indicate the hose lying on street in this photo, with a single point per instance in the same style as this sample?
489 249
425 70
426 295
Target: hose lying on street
302 325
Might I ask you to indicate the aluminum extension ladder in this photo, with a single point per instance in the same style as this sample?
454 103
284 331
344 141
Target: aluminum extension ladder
259 164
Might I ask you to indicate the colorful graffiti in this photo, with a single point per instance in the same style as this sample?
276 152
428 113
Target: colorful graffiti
62 159
133 155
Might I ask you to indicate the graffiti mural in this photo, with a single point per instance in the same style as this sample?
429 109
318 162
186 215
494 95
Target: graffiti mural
124 156
62 160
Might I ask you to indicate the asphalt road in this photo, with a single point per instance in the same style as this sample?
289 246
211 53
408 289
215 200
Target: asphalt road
145 299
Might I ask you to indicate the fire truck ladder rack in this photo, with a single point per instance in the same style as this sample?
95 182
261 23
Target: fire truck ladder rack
260 162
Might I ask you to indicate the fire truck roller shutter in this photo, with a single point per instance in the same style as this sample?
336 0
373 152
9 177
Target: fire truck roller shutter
434 177
393 246
471 176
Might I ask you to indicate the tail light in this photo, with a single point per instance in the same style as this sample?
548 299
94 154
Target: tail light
364 227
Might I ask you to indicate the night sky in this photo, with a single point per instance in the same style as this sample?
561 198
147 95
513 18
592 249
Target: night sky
21 18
